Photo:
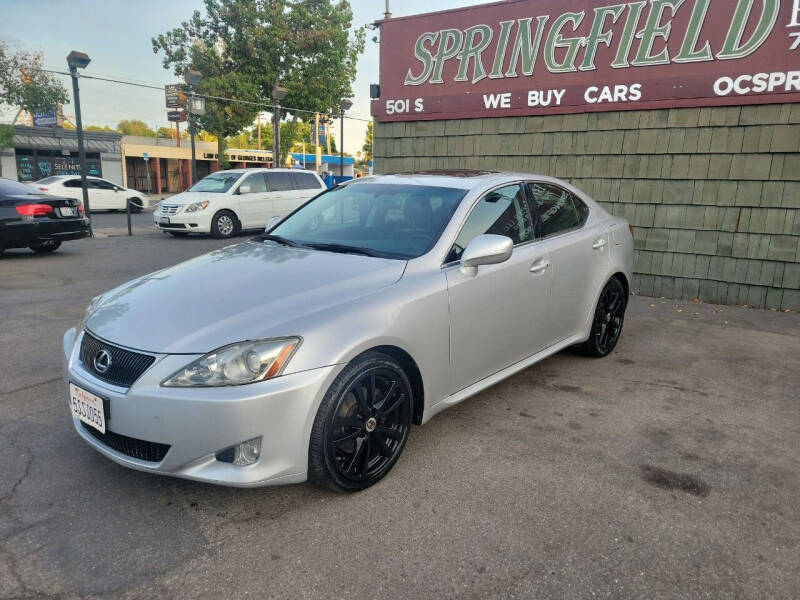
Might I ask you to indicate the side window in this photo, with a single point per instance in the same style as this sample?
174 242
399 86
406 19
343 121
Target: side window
581 208
555 209
72 183
504 211
256 183
305 181
93 184
106 185
280 181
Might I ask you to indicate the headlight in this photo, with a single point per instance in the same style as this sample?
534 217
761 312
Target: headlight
89 310
237 364
196 206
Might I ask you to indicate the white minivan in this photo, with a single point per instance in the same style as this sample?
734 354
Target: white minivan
227 202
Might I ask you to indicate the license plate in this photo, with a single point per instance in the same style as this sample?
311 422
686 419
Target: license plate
163 220
67 211
87 407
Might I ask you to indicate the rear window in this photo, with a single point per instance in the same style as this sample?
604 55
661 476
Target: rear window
280 181
14 188
305 181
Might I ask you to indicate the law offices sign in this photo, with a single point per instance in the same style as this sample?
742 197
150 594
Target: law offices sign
528 57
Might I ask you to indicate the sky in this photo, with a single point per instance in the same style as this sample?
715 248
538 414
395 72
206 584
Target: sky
116 35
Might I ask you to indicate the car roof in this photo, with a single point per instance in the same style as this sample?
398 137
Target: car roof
465 179
262 170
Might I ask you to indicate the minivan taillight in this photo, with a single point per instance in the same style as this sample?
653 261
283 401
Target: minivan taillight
34 210
631 229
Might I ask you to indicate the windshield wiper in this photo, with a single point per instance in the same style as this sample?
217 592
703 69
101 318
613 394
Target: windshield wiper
281 240
344 249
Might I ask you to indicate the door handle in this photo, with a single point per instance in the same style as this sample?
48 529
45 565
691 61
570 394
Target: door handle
600 244
540 266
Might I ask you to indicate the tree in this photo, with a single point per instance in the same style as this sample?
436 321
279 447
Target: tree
99 128
135 127
24 83
367 147
243 47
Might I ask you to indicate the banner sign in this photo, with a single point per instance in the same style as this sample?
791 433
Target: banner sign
175 95
176 116
45 119
528 57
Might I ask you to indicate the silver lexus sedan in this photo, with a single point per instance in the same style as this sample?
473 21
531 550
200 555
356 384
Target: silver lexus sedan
308 352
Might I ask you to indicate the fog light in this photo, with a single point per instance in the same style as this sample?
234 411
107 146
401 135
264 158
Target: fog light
242 455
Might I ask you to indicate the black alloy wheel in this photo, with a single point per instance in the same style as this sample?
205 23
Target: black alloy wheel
362 424
46 247
608 319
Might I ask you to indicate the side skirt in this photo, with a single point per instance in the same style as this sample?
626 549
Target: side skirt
488 382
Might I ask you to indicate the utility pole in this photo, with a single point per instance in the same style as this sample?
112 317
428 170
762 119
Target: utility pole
278 94
387 14
192 79
75 61
259 129
317 149
343 107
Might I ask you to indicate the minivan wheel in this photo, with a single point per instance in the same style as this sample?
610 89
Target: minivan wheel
224 224
608 319
362 425
46 247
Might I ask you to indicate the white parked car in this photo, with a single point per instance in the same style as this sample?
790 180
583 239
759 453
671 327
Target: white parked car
227 202
103 194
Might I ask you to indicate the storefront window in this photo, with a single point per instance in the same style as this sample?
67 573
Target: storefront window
33 164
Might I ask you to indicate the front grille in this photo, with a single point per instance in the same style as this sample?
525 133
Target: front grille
139 449
170 209
125 366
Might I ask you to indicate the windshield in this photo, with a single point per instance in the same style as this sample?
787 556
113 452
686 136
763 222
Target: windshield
218 183
392 221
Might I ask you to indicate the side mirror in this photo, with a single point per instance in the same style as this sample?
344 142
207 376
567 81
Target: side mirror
272 222
244 189
486 249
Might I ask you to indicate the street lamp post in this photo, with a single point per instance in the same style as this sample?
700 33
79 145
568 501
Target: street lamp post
278 94
343 107
192 79
79 60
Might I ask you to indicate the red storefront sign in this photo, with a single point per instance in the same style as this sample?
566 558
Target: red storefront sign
528 57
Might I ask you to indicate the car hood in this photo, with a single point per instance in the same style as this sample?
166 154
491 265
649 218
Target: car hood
237 293
189 197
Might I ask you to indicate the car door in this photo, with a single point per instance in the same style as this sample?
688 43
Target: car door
284 195
496 316
579 253
255 206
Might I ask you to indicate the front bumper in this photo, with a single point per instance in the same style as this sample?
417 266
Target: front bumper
198 422
195 222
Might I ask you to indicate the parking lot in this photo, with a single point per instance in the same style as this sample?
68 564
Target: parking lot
669 469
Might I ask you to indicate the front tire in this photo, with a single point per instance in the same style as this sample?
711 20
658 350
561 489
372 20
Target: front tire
362 425
224 225
46 247
608 320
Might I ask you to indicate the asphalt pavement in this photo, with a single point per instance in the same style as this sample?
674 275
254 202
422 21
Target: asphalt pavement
666 470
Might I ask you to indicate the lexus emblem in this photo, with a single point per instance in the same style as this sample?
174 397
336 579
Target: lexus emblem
102 361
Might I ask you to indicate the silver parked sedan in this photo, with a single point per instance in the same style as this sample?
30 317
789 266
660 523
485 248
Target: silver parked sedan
308 352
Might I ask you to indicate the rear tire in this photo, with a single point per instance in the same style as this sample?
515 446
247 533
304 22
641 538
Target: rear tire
224 225
136 205
46 247
362 424
609 317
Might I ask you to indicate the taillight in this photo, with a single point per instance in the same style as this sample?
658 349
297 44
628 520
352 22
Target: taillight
81 210
631 228
34 210
44 189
